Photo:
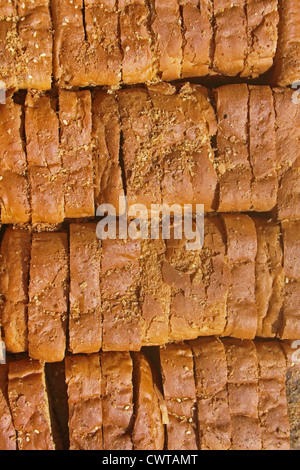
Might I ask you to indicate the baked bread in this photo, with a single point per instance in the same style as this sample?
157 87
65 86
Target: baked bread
29 404
214 425
272 404
75 118
218 395
241 253
197 24
269 276
45 174
106 142
177 371
243 395
48 307
14 194
14 280
287 63
83 378
117 400
8 440
148 431
290 326
85 317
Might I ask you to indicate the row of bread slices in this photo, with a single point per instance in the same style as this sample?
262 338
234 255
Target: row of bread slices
156 145
120 295
107 42
207 394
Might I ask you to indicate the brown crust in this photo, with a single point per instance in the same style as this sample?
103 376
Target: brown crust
83 377
272 407
242 315
29 405
34 61
85 317
155 294
197 18
200 281
211 388
233 165
8 42
262 23
262 149
47 310
14 187
287 63
230 24
137 66
8 439
120 277
243 394
166 26
177 371
14 277
75 144
44 163
290 328
106 135
148 430
269 276
117 400
287 147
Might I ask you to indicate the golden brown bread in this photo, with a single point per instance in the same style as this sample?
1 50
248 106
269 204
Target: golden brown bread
232 157
47 309
262 32
29 405
148 431
83 378
44 161
14 196
286 61
269 277
287 148
106 140
166 26
197 22
14 279
290 328
26 36
237 388
242 312
75 145
8 40
179 390
117 400
135 36
262 149
214 426
155 294
272 405
199 282
155 143
120 277
230 22
8 439
34 54
85 317
243 396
